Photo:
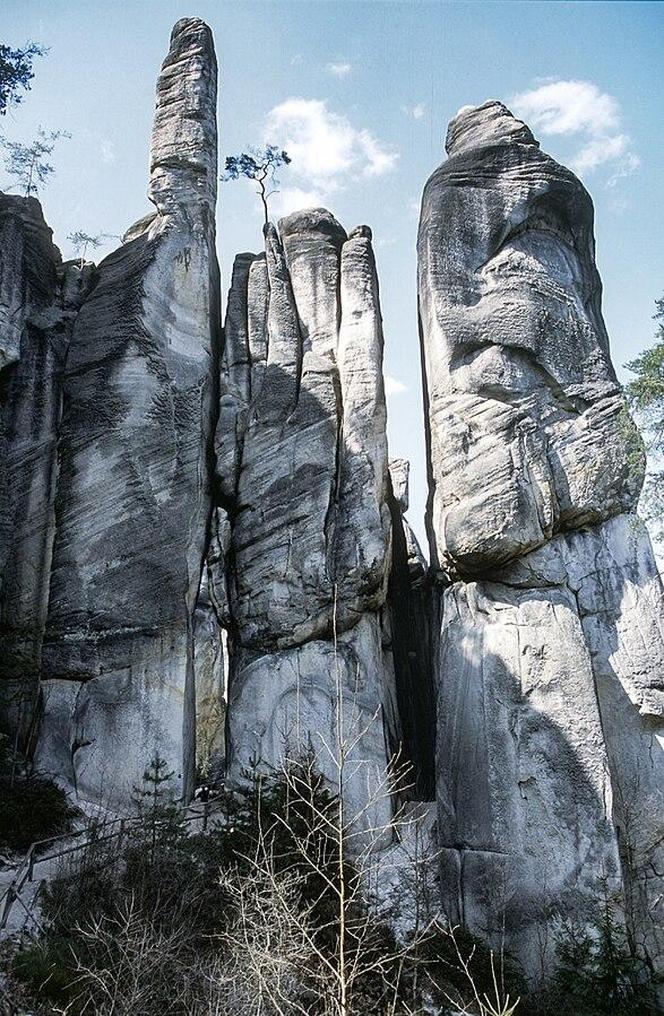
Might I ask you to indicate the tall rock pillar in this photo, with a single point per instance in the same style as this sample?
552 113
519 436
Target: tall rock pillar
39 299
550 656
303 469
135 448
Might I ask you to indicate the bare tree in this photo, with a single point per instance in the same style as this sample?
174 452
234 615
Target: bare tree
497 1003
128 964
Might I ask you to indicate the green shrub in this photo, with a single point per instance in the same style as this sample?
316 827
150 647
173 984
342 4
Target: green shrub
32 808
597 973
46 968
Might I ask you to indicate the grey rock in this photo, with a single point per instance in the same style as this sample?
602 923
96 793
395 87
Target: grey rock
549 766
133 497
549 652
210 680
318 696
613 573
520 388
310 507
523 782
198 537
410 607
38 302
302 435
399 473
488 124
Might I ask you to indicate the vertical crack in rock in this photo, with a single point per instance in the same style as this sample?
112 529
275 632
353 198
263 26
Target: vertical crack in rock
549 695
135 447
409 599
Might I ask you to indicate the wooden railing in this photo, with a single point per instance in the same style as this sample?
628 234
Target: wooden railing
119 828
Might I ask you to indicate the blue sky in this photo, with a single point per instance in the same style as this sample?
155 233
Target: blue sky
361 93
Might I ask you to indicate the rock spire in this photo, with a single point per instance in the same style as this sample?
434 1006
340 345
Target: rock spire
549 655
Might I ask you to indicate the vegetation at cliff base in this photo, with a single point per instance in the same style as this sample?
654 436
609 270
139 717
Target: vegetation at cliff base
32 807
248 920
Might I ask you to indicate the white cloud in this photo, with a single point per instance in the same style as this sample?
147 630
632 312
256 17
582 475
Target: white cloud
326 149
292 199
339 70
629 165
393 386
560 107
568 107
417 111
107 150
414 206
378 159
601 150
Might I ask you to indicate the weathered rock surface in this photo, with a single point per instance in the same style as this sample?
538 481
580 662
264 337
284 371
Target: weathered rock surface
182 522
133 496
551 773
210 681
520 388
39 297
302 435
550 654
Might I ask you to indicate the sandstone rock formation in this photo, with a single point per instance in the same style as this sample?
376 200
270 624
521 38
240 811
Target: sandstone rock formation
550 655
39 298
302 466
188 517
133 497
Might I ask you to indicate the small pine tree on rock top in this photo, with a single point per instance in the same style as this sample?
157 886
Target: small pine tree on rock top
261 165
28 164
80 241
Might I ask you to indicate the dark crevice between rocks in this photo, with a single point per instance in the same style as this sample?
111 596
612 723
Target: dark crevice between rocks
431 481
217 343
409 598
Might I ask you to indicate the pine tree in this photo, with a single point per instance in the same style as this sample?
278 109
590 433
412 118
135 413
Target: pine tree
16 73
261 165
598 974
155 802
28 163
645 395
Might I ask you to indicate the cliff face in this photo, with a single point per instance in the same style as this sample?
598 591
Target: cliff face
39 298
550 654
203 544
127 527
